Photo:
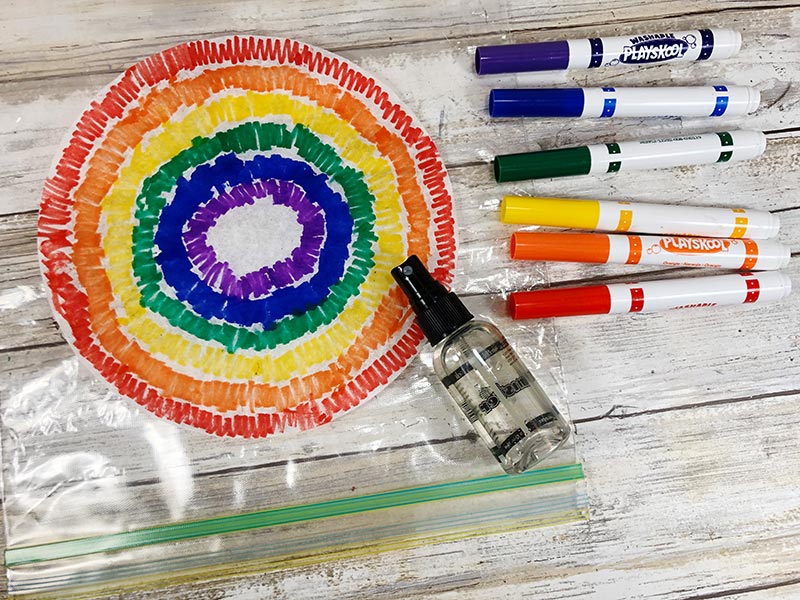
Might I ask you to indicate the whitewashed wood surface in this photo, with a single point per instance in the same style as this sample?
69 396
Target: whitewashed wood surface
688 422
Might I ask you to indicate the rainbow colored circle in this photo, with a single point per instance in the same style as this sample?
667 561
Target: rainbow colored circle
219 231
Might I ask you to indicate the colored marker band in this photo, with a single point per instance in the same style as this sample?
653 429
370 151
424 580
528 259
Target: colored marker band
605 102
659 219
703 44
720 253
700 149
649 296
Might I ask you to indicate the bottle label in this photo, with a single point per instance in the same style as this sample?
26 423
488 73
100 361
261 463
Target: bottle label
489 400
459 372
516 385
508 443
540 421
493 349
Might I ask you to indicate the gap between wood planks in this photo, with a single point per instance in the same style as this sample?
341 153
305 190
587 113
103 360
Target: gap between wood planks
378 46
469 437
745 590
654 411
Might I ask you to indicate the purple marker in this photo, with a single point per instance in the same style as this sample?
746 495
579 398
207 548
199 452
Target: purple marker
703 44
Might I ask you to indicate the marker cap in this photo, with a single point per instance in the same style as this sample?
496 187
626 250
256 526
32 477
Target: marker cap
515 58
570 247
538 165
550 212
564 302
542 102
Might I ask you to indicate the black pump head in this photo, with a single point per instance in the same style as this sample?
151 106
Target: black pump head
438 311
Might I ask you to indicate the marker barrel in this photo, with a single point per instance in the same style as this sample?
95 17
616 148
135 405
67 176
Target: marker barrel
700 149
649 296
742 254
659 219
681 46
605 102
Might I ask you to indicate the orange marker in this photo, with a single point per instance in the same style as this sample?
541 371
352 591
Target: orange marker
762 255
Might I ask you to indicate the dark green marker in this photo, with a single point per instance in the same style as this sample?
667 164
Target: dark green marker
630 156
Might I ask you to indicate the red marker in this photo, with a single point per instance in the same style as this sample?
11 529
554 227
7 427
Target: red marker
648 296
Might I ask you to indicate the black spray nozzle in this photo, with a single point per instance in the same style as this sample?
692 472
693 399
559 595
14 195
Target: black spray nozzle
438 311
422 289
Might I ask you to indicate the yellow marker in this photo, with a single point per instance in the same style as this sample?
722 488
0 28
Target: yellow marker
660 219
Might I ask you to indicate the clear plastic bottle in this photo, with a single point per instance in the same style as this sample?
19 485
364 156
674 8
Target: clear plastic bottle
489 382
499 395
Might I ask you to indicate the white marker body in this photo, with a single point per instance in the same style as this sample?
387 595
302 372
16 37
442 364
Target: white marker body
698 252
700 149
700 101
668 219
679 46
697 292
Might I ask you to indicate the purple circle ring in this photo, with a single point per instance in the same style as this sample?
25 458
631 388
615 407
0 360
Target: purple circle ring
284 273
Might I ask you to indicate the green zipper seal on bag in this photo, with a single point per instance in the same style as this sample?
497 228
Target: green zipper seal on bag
285 515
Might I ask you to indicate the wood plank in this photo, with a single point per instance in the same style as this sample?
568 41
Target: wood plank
74 37
437 82
785 591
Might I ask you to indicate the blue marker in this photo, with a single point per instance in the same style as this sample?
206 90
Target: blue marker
702 101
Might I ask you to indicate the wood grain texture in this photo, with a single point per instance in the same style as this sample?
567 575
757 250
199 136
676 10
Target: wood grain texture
687 421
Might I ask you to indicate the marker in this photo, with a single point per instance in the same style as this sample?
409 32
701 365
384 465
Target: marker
681 46
631 156
743 254
648 296
660 219
604 102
